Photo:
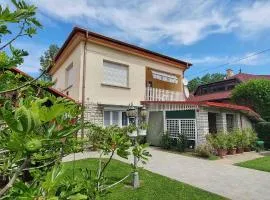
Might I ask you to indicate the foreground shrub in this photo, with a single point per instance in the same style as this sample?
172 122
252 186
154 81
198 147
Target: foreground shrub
218 141
263 130
204 150
178 144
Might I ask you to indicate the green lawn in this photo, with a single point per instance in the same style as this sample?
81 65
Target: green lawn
262 164
153 186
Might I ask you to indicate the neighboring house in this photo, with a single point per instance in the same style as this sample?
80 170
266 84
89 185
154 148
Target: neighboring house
220 91
107 75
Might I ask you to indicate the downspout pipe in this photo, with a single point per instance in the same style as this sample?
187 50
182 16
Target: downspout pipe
83 83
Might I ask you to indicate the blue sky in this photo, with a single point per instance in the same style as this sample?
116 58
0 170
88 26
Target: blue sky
205 33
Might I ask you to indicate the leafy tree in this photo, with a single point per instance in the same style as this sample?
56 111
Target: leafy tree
254 94
37 129
24 18
208 78
47 59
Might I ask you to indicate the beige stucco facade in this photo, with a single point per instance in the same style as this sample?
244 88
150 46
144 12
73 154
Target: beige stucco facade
95 90
75 57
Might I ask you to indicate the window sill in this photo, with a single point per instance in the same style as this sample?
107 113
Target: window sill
115 86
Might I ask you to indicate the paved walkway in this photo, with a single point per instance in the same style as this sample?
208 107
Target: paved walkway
218 177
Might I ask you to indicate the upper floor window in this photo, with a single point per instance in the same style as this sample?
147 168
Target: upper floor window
115 74
165 77
70 76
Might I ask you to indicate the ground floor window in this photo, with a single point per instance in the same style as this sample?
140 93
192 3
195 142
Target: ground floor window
114 117
229 120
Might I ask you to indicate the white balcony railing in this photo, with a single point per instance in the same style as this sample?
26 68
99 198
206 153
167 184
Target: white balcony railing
156 94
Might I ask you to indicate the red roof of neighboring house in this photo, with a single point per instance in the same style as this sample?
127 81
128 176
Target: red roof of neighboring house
244 109
242 77
211 96
49 89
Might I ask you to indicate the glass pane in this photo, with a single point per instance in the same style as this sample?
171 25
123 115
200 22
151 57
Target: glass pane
107 118
115 118
124 119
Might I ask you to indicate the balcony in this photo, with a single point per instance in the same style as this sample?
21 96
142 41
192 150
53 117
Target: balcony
156 94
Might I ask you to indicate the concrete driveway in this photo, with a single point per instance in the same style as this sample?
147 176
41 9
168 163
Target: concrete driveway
218 177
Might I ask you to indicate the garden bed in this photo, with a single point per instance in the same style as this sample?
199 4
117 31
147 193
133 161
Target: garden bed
153 186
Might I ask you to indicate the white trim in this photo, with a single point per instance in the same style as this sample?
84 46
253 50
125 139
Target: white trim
111 117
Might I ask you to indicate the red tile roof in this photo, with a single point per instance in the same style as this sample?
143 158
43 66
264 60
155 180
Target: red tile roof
242 77
211 96
49 89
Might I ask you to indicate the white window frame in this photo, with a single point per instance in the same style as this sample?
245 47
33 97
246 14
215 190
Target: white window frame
111 117
104 82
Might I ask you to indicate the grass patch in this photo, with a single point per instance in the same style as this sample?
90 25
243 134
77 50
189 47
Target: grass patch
153 186
262 164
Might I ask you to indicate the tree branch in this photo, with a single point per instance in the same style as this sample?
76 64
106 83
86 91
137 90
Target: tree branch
22 86
105 166
14 177
13 39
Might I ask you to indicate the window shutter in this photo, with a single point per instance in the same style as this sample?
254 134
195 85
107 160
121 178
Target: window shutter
115 74
70 75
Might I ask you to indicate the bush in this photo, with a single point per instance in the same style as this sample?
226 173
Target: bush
181 144
204 150
263 130
218 141
231 141
165 141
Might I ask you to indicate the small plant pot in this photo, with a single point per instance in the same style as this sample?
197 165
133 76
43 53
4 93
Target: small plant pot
232 151
142 132
222 152
247 149
133 134
239 150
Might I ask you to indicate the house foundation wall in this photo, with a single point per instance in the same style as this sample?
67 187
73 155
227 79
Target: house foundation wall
94 113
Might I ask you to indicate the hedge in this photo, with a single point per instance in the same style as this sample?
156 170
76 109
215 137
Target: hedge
263 130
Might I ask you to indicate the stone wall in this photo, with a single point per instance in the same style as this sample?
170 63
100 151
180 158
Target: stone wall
94 113
202 125
240 121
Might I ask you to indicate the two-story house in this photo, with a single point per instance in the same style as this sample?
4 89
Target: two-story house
110 74
107 75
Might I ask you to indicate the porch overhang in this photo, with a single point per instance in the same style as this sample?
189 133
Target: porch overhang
191 105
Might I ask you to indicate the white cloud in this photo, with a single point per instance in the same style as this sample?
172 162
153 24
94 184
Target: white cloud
181 22
254 18
31 62
178 21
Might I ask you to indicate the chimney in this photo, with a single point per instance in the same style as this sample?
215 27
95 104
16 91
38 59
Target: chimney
229 73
